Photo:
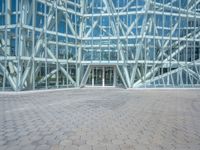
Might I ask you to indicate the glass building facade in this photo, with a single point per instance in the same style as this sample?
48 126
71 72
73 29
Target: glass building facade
75 43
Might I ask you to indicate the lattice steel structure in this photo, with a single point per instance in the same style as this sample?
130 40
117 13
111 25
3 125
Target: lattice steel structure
74 43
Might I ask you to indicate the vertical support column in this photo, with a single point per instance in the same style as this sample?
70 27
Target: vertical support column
103 76
67 48
56 25
20 46
45 43
163 34
92 76
78 70
7 41
33 45
114 76
186 52
78 74
8 22
154 41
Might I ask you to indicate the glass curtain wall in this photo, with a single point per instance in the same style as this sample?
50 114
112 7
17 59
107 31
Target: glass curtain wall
55 43
39 44
154 43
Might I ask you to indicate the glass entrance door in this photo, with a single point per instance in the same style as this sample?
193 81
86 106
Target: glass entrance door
101 76
109 76
98 76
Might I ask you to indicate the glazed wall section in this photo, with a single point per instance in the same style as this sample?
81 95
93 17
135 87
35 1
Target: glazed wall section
53 44
39 44
155 43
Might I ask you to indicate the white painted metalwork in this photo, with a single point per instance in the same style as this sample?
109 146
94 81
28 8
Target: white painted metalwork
57 43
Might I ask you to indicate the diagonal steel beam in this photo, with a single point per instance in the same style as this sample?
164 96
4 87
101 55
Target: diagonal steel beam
86 75
153 70
143 33
9 77
39 42
60 66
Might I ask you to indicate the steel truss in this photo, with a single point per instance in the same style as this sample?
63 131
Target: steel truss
53 43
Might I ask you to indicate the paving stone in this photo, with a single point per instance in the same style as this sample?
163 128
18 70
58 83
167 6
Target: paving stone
28 147
24 141
118 142
43 147
112 147
66 142
58 147
92 142
2 143
78 142
101 119
4 147
127 147
99 147
55 147
71 147
14 147
85 147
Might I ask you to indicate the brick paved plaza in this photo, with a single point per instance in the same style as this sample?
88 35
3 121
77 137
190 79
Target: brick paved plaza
100 119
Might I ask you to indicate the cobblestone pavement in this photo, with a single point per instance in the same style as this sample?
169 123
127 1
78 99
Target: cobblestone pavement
100 119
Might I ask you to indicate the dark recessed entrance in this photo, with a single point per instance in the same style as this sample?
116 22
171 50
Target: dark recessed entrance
102 76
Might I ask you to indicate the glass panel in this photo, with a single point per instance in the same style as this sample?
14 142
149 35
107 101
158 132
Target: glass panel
101 76
89 81
98 75
109 76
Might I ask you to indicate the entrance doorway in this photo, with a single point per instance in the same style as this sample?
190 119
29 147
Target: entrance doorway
102 76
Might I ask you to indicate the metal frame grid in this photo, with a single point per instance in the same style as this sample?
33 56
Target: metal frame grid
53 43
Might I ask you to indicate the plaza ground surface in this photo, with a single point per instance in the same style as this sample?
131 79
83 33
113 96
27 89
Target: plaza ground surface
101 119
